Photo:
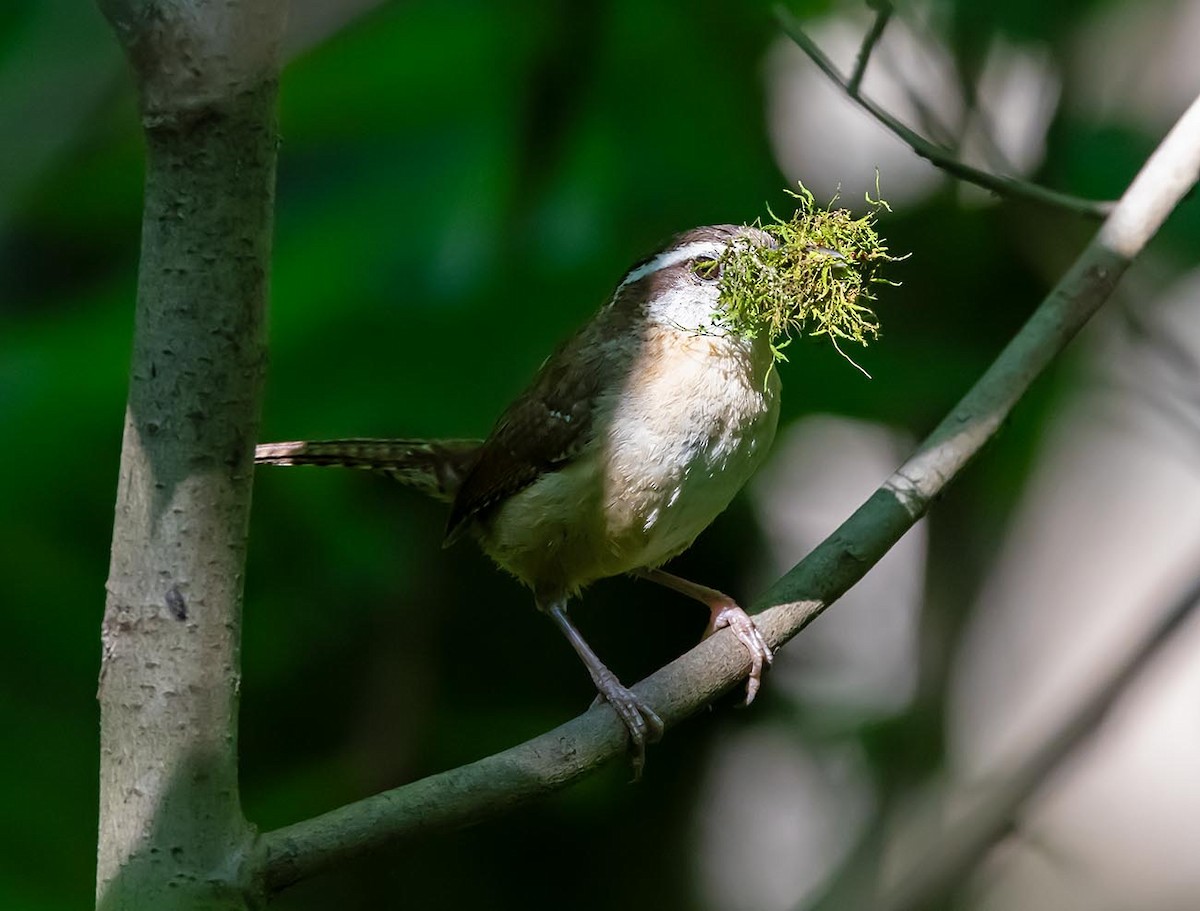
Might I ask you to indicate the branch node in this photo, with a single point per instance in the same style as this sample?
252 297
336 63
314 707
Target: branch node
883 12
936 155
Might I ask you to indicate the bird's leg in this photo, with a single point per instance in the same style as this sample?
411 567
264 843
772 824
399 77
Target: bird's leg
643 724
723 611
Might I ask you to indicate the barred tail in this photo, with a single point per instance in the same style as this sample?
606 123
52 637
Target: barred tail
434 467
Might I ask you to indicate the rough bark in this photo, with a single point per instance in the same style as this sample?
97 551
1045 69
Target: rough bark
171 831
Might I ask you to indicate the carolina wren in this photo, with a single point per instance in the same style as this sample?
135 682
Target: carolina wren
634 435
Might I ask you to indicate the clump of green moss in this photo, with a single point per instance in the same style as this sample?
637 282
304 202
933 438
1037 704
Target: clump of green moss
817 280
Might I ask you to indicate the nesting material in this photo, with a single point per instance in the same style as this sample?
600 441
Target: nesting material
818 279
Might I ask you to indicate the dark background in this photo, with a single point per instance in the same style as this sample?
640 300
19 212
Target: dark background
460 185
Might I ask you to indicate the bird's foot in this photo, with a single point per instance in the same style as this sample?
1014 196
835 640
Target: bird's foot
640 720
723 612
728 614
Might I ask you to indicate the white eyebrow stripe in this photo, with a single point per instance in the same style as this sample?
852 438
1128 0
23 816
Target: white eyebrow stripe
671 257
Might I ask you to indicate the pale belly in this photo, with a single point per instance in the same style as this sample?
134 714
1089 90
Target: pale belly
666 462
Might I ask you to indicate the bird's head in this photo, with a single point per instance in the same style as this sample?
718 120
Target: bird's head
680 284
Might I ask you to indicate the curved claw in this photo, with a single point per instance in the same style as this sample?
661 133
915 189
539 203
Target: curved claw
732 616
640 720
723 611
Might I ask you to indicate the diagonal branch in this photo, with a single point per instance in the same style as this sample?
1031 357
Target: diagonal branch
934 154
547 763
883 13
949 857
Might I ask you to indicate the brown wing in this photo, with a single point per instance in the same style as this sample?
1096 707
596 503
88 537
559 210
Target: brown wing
547 425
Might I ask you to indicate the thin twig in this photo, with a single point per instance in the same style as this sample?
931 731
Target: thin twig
954 852
482 789
883 12
937 156
937 131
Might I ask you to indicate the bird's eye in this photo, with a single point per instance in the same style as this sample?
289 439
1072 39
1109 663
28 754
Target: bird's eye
708 270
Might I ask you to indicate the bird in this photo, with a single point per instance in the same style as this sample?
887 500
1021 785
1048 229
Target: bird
633 436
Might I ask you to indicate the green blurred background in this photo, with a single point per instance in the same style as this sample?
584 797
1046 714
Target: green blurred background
460 185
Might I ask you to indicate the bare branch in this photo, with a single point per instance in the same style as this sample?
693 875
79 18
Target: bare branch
936 155
190 56
171 829
547 763
883 12
953 853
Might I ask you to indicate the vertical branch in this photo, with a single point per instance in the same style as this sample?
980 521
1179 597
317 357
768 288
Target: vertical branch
172 834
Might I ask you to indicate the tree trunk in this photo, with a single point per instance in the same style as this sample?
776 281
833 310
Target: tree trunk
171 832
